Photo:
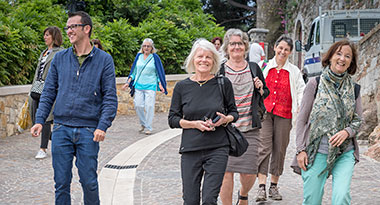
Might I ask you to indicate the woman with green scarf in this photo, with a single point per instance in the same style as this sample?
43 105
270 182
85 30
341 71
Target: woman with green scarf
330 116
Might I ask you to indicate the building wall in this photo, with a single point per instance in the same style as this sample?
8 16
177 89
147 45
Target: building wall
12 98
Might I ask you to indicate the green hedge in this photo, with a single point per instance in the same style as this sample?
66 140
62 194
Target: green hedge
172 24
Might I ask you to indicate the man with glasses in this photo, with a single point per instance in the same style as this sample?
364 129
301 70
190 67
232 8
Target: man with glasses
82 82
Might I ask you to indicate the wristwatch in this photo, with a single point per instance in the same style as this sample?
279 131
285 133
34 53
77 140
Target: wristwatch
299 151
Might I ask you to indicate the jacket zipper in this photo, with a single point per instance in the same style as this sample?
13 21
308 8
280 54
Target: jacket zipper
80 66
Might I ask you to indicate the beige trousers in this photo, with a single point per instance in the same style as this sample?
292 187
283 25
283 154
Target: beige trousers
274 137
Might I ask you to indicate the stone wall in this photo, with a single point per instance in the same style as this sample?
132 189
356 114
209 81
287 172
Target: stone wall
12 99
369 78
10 106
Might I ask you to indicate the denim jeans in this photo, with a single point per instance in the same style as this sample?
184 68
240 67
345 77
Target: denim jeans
144 105
68 142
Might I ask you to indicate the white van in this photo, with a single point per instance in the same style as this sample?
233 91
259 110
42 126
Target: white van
331 26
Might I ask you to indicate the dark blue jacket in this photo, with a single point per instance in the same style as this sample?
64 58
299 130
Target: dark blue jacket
85 95
159 68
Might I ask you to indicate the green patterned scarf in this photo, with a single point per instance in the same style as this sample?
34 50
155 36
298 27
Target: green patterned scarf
333 110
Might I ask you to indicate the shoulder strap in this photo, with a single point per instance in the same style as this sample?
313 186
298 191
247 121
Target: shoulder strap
138 76
221 70
252 66
221 89
356 88
318 78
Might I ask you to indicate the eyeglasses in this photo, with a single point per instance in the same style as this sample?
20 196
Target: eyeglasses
72 26
233 44
146 46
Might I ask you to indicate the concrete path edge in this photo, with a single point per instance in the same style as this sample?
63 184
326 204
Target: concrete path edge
116 185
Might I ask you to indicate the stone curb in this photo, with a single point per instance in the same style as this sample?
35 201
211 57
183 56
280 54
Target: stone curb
117 178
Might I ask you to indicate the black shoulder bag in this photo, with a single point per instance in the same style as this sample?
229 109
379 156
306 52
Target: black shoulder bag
238 143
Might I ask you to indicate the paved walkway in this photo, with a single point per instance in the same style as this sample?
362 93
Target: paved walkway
24 180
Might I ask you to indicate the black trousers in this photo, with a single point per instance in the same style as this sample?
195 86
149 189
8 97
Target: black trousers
46 128
209 164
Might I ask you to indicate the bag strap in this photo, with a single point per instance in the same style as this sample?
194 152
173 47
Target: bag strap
253 71
221 70
356 88
221 89
143 69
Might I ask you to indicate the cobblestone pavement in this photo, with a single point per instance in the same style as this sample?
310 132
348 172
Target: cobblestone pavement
158 179
24 180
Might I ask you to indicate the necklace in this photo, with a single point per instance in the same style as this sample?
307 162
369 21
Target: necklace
202 83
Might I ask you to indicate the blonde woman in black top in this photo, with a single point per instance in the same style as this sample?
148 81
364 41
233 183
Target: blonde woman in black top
204 144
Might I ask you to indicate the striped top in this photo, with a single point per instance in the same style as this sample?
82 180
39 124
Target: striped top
242 84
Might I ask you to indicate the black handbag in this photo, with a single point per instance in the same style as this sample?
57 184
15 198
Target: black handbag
36 90
238 143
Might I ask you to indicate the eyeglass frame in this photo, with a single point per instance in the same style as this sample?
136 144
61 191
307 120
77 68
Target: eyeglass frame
146 46
72 26
233 44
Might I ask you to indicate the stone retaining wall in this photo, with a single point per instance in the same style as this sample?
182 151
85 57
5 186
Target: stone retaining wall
369 78
12 99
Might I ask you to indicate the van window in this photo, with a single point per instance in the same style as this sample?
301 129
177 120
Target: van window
366 25
343 27
317 35
310 41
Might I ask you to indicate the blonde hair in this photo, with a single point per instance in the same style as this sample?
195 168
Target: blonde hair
207 46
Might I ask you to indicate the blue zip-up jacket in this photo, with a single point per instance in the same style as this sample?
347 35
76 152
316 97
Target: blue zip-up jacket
85 95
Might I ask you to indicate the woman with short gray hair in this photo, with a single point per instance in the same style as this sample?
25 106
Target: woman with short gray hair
249 91
146 77
197 108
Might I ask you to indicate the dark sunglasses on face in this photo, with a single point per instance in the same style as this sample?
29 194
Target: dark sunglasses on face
72 26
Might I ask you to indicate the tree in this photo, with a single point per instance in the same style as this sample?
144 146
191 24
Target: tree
232 13
21 37
120 25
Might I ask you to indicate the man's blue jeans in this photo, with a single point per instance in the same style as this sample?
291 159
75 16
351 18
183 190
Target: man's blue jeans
68 142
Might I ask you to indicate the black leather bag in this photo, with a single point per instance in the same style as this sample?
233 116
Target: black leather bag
132 89
36 90
238 143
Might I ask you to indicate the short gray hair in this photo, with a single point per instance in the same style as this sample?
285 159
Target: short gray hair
207 46
151 43
235 32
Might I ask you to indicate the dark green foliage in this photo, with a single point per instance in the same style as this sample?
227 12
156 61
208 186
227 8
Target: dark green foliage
21 37
231 16
120 25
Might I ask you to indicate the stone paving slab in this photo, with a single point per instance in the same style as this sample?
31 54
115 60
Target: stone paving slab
25 180
158 179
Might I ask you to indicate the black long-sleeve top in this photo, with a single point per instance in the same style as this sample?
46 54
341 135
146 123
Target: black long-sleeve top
191 102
